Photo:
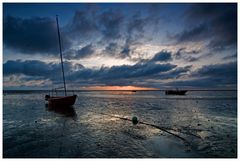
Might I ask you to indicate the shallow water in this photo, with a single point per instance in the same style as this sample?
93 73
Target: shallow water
97 125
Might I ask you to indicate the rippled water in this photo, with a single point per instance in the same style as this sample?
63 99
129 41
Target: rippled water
200 124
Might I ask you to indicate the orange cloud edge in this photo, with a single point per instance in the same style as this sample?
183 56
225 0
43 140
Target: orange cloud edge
118 88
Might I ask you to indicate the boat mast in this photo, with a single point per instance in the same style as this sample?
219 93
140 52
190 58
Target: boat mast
60 49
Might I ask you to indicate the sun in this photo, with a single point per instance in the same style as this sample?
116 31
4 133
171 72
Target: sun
118 88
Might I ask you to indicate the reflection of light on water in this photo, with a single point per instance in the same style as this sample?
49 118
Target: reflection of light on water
112 123
98 118
116 115
44 120
8 122
113 119
203 134
122 92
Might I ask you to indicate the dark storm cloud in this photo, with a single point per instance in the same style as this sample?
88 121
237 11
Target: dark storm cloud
162 56
211 76
75 73
226 71
209 11
111 48
214 22
195 83
28 67
188 56
125 30
195 34
135 29
114 50
31 36
125 51
218 75
37 68
179 72
176 73
82 25
136 25
125 73
86 51
139 70
109 27
86 24
192 59
134 33
234 57
111 24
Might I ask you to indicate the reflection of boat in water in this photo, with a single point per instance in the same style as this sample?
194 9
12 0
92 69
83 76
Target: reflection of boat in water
65 111
175 92
61 100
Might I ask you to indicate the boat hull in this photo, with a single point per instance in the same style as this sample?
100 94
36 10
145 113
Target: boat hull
64 101
175 92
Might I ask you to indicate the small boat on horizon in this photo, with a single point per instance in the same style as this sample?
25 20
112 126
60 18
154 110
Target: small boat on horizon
175 92
61 101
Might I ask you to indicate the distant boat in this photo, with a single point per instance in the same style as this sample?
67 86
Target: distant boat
175 92
134 91
61 101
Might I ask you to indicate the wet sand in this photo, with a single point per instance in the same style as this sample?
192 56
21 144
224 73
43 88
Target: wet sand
99 126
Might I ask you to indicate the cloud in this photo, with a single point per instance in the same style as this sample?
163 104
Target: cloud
124 73
38 69
217 70
115 50
111 48
32 36
111 24
126 51
217 75
229 57
214 24
162 56
77 73
208 11
209 76
187 55
197 33
176 73
220 74
140 70
28 67
84 52
83 25
91 25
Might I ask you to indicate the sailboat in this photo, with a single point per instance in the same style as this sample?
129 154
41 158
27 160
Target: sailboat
61 101
175 92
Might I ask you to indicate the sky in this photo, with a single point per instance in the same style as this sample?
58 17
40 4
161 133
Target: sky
120 45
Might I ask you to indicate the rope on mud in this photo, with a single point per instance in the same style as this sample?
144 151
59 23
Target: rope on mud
152 125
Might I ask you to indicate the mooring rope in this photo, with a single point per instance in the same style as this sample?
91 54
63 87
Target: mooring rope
164 129
152 125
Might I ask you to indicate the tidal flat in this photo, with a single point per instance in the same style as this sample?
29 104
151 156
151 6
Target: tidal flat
99 125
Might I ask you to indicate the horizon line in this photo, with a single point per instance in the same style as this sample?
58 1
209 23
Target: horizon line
122 90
